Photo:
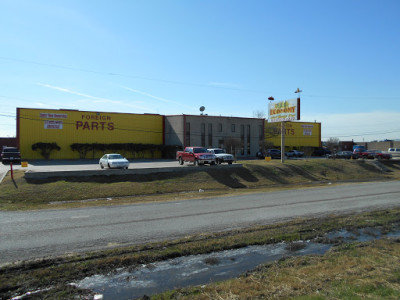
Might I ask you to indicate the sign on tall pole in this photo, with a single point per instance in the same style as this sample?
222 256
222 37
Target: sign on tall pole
283 111
282 142
286 110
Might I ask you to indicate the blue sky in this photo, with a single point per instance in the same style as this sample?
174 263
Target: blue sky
171 57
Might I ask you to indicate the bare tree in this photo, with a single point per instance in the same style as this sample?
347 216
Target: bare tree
333 144
232 145
259 114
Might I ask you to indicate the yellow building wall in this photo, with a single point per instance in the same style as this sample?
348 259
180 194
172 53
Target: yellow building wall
297 134
66 127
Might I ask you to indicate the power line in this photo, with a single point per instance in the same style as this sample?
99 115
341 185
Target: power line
367 133
132 76
183 82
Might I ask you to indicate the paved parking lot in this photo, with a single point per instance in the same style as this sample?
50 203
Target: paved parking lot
77 165
72 165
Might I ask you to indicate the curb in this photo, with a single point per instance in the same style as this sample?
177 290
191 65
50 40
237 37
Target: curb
113 172
2 175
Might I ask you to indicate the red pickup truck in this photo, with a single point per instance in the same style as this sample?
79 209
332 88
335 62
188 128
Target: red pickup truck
371 154
196 155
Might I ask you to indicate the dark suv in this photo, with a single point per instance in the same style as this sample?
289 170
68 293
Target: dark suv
10 154
274 153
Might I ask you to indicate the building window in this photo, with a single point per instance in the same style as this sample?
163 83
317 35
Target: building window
203 134
248 139
187 138
242 138
219 127
233 128
210 135
221 144
261 133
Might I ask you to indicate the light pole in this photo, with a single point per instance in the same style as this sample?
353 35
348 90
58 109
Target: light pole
282 136
298 91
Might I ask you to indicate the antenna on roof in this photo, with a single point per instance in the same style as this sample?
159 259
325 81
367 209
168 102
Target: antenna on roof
202 109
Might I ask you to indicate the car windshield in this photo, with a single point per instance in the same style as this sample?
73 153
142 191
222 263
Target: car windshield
115 156
200 150
218 151
10 150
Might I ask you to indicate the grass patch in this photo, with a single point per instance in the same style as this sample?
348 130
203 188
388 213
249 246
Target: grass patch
109 190
358 271
18 278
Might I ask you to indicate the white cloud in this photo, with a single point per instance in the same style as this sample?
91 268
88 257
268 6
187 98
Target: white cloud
64 90
7 128
149 95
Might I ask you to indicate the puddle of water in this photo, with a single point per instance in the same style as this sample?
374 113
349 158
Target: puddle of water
362 235
203 269
190 270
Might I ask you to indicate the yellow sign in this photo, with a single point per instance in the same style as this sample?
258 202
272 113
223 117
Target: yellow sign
67 127
287 110
297 134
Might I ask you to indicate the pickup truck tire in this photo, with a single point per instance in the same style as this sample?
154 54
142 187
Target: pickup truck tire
213 163
180 161
229 162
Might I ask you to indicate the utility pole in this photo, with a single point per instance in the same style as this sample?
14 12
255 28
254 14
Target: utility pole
282 141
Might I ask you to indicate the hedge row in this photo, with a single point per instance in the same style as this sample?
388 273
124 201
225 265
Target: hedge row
136 150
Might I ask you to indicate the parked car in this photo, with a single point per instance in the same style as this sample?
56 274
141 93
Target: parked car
113 160
395 152
196 155
382 155
371 154
10 154
343 154
358 149
221 156
358 152
321 152
274 153
294 153
260 154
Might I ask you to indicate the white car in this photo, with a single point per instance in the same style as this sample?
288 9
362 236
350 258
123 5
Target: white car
294 153
395 152
221 156
113 160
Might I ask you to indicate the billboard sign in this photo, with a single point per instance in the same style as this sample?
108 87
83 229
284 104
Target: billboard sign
286 110
50 124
